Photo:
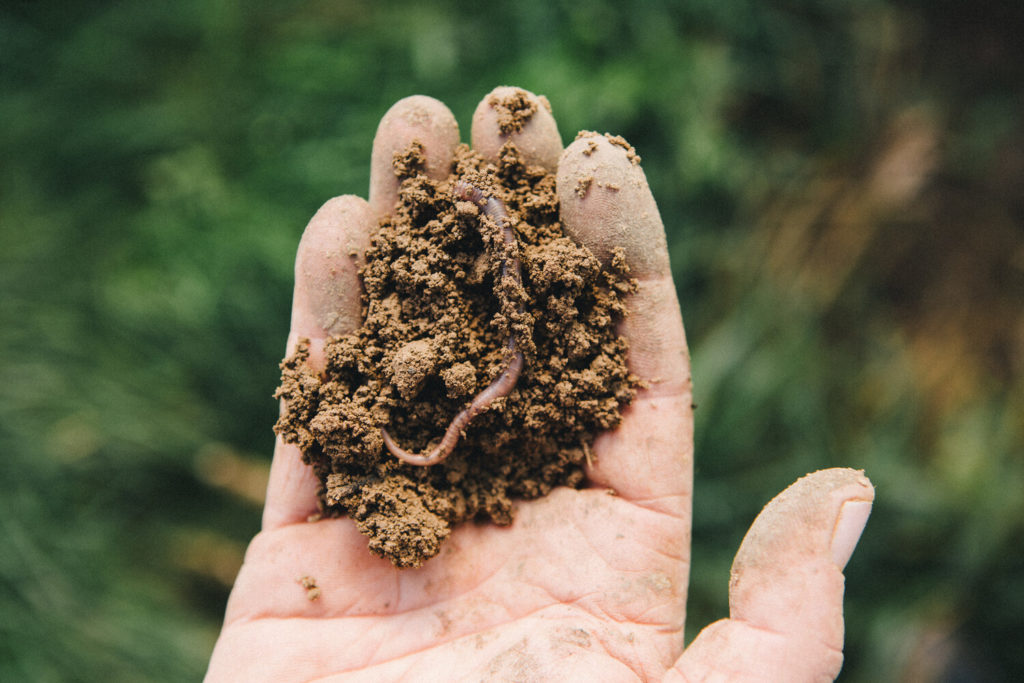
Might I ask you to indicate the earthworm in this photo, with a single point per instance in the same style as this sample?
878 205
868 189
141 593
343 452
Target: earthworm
514 360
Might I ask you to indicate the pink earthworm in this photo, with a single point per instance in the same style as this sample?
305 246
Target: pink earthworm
514 360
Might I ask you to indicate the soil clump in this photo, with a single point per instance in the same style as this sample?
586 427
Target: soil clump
438 311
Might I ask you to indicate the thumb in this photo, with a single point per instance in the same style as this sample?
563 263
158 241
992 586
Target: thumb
786 587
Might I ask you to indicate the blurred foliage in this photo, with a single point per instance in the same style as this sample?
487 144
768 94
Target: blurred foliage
841 184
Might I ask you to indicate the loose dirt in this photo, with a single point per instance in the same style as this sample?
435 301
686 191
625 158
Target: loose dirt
438 315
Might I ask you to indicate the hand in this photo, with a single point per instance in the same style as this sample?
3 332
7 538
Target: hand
585 584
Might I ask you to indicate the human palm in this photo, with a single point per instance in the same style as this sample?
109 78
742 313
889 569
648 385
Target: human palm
585 584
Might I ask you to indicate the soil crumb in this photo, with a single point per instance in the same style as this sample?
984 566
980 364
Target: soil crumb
514 109
312 590
616 140
438 311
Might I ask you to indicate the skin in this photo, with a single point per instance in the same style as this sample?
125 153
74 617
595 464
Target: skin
584 585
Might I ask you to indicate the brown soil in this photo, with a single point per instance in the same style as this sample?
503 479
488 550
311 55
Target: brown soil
438 315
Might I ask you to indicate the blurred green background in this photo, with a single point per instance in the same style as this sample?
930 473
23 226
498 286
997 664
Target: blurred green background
843 188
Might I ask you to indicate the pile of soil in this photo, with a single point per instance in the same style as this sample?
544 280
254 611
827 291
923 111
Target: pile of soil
438 314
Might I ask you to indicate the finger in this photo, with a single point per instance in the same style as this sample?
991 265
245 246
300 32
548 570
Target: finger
419 119
326 301
786 588
517 115
607 205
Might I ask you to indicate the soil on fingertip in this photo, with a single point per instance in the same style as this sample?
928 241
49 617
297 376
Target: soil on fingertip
438 312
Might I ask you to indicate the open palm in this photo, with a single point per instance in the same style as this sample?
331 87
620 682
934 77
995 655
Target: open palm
585 584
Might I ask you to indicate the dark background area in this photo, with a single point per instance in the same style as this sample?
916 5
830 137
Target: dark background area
843 188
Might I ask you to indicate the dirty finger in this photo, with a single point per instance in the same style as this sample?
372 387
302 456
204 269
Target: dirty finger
419 120
326 301
513 114
607 205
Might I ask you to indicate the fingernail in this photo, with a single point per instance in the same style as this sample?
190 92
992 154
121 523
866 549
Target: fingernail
849 525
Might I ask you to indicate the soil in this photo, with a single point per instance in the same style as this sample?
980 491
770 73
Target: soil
438 311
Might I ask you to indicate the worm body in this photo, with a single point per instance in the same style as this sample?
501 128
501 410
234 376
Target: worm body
495 209
514 360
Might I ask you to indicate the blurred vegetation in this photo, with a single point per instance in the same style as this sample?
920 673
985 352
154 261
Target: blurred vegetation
841 183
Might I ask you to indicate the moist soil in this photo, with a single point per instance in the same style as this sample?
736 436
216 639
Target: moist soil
438 311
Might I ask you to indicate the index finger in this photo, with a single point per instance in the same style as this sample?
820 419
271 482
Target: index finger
606 204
